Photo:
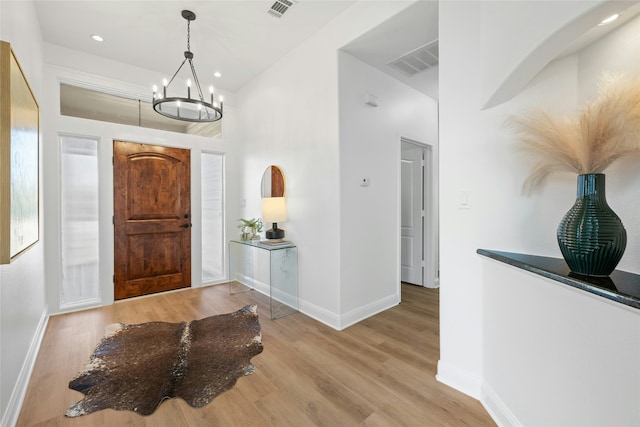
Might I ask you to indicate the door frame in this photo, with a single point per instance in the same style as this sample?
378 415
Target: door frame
171 223
105 133
431 222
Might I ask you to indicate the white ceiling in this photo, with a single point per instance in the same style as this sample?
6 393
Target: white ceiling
238 38
409 30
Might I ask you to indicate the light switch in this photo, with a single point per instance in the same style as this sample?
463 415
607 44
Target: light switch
371 100
464 199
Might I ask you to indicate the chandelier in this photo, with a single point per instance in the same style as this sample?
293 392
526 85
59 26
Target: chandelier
187 109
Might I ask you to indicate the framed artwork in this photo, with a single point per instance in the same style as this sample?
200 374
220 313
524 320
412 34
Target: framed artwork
19 140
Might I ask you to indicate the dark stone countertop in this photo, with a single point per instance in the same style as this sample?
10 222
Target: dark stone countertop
621 286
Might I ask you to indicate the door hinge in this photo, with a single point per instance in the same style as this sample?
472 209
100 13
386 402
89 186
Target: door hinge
423 214
113 220
114 278
423 263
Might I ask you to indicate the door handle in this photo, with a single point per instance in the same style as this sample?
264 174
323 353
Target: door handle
185 225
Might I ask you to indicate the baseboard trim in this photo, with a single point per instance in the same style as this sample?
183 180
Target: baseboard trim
434 285
496 407
361 313
10 417
250 282
276 294
459 379
320 314
317 313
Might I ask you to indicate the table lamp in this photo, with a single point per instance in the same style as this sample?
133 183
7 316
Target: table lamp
274 210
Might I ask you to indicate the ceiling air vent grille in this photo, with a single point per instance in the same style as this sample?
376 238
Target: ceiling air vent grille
279 8
417 60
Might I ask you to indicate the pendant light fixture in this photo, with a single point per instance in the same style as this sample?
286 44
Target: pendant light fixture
187 109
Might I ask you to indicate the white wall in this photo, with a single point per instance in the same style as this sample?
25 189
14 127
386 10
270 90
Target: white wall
538 332
289 117
370 216
556 355
22 283
618 52
477 154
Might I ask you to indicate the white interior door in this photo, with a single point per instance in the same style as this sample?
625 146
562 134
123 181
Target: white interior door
412 214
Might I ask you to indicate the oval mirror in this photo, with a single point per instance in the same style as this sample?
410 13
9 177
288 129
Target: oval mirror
272 183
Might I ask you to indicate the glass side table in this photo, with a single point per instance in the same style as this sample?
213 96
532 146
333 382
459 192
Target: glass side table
270 269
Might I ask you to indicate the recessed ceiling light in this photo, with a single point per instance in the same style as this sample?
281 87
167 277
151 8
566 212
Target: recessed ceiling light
97 38
610 19
217 74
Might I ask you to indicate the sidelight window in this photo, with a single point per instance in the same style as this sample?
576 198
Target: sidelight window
212 217
79 220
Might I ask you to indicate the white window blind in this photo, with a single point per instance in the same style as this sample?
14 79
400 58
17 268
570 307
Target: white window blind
79 220
212 217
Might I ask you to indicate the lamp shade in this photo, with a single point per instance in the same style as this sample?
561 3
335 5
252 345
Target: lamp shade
274 209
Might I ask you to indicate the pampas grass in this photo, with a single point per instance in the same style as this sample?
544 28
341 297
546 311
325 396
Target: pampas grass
605 130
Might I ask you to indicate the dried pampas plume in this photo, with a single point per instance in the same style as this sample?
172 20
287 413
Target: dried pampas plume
606 129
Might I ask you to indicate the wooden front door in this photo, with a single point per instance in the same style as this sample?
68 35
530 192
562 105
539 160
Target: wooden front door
152 219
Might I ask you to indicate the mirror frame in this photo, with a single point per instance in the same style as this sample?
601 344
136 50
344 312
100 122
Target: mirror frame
273 177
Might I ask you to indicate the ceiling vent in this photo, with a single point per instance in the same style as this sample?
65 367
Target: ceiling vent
279 8
417 60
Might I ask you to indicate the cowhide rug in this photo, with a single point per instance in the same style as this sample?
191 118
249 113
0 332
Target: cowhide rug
136 367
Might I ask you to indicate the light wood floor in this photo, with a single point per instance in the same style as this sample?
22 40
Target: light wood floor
380 372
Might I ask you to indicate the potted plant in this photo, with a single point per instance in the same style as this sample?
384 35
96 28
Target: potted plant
249 228
591 236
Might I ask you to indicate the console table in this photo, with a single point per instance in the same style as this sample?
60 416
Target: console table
269 269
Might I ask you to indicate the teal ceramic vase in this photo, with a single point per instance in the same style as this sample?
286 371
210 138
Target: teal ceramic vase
591 236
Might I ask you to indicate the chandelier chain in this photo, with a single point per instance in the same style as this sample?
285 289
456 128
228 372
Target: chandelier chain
188 35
